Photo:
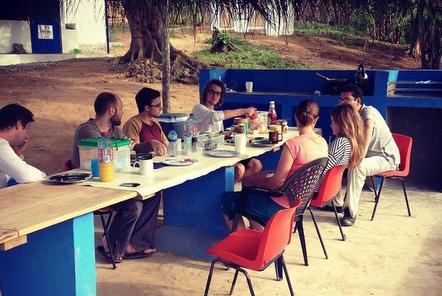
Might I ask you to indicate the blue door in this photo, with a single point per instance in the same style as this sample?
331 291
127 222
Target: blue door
45 36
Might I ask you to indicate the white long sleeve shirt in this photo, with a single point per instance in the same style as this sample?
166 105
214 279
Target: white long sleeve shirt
12 166
208 120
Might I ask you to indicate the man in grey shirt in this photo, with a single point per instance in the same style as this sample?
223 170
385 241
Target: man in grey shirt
132 230
381 151
107 121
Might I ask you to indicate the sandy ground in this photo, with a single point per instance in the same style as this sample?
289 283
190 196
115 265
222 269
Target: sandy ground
394 255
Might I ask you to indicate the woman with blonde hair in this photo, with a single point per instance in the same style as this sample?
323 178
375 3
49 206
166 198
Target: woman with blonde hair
348 147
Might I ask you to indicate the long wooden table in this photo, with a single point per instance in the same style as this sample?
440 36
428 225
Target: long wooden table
47 233
48 229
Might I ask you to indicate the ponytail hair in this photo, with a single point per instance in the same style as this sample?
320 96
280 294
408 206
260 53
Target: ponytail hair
307 112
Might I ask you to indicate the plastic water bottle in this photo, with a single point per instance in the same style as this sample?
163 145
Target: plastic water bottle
105 151
106 170
172 149
190 131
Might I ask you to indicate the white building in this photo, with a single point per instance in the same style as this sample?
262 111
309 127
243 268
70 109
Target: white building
48 31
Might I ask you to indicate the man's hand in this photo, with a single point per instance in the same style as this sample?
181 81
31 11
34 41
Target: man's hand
159 148
151 146
21 148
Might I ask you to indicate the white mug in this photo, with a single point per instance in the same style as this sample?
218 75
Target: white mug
240 143
249 86
146 166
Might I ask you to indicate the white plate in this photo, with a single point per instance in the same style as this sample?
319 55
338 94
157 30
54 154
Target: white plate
179 161
221 153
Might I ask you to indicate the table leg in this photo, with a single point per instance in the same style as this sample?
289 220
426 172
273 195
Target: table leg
193 219
58 260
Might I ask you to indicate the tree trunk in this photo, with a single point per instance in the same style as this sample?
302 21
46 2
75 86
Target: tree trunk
165 82
416 35
146 36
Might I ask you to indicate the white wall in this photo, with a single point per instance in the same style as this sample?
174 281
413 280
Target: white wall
14 32
89 18
279 26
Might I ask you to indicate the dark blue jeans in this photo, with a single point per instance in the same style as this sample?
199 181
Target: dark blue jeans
259 206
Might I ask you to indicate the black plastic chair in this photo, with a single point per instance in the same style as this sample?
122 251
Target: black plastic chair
300 185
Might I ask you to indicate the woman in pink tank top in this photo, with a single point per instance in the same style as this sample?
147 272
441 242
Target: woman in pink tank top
298 151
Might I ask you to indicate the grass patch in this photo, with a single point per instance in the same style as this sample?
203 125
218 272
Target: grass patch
249 56
327 30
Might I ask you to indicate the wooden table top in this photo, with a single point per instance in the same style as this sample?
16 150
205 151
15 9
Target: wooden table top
27 208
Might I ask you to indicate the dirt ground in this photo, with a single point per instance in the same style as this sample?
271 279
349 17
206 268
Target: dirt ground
393 255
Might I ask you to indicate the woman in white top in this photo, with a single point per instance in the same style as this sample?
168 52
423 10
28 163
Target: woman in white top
210 119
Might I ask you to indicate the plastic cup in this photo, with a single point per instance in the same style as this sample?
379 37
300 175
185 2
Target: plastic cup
95 168
249 86
106 171
240 143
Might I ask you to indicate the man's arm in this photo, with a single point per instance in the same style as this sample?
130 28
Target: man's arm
132 130
12 165
368 132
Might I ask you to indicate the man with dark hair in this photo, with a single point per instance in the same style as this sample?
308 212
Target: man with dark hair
14 123
108 112
143 129
133 228
381 151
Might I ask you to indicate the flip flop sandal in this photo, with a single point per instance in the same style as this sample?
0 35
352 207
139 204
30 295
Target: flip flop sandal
102 251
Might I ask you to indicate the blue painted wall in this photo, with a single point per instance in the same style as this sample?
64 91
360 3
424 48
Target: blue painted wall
421 91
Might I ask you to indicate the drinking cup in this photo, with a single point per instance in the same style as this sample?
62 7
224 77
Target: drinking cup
94 168
240 143
249 86
145 163
106 171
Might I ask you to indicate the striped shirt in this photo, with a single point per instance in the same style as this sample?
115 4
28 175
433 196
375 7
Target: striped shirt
339 152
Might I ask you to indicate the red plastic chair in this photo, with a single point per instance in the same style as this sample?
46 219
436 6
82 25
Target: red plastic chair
299 185
330 186
255 250
404 144
108 211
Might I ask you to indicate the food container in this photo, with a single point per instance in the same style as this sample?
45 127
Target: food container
259 124
210 140
121 151
276 128
283 124
242 121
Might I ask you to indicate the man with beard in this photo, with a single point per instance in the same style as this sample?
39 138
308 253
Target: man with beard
132 231
143 129
108 112
14 125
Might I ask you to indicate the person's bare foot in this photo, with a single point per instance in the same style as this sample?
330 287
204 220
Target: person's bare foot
131 250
